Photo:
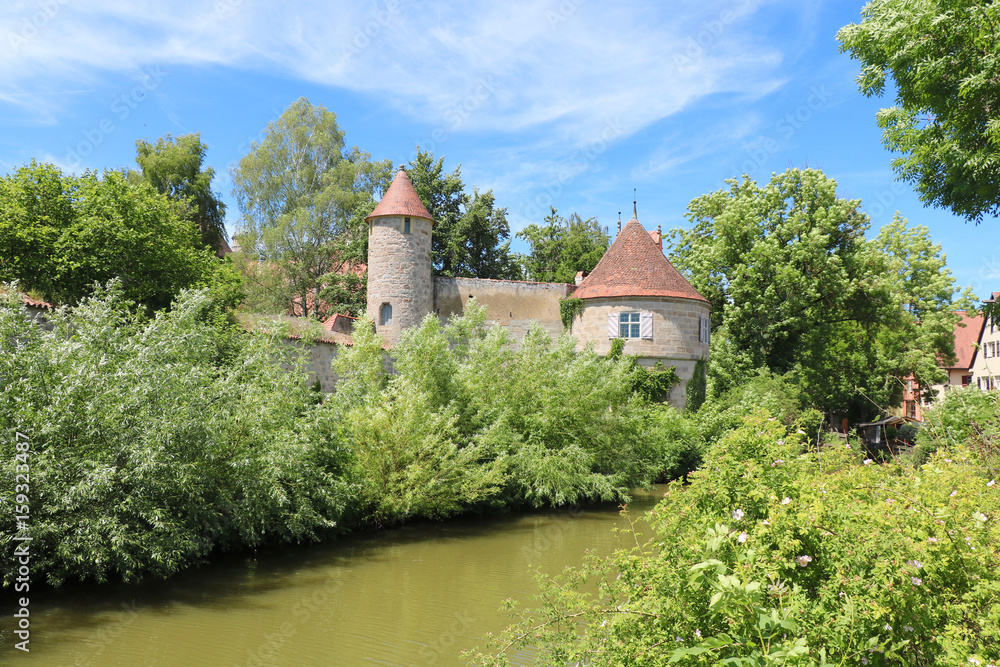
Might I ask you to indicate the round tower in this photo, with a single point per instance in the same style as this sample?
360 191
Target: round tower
400 284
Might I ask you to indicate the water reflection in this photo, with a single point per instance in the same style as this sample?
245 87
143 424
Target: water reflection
415 595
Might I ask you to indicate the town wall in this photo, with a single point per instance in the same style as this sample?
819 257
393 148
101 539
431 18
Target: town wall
512 304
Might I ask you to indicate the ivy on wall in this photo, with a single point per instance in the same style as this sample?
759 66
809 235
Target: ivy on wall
569 309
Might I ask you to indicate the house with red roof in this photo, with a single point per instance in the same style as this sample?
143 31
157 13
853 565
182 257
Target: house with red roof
634 293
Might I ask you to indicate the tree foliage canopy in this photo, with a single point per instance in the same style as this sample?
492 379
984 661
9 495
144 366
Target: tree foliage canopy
471 234
304 196
60 234
562 247
174 168
944 58
796 288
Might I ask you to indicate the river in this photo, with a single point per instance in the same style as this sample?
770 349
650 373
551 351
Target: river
415 596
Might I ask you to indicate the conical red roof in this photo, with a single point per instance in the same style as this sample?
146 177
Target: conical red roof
401 199
635 266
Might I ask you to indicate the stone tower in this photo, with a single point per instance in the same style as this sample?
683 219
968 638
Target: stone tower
400 286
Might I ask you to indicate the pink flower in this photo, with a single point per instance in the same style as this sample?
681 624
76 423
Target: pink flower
953 494
786 500
738 514
742 538
867 462
916 581
803 560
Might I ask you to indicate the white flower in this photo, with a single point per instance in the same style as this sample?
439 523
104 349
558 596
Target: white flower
867 462
991 483
803 560
932 540
973 661
979 516
738 514
916 581
887 627
908 628
697 633
766 522
786 500
953 494
781 442
915 563
742 538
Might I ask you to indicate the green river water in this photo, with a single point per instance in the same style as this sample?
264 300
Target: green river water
416 596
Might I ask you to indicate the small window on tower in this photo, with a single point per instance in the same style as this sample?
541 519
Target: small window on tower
385 315
406 225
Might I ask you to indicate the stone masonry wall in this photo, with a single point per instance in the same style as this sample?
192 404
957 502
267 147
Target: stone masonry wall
513 304
399 273
321 356
675 333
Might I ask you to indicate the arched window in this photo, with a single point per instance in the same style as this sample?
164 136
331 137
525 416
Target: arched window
385 315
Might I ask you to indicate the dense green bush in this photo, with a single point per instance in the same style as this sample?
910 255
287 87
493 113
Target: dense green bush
470 421
766 558
155 442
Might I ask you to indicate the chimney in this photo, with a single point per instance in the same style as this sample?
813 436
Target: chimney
579 277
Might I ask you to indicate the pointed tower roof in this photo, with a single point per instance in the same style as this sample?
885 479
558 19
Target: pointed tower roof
635 266
401 199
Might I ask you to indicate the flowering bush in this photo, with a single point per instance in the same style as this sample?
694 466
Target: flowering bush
773 557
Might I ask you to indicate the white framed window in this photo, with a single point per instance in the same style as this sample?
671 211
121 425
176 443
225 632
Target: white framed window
630 325
385 315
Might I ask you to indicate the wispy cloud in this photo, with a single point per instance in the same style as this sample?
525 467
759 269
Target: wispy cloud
565 64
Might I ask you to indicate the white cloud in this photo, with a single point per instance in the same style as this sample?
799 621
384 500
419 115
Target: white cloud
478 65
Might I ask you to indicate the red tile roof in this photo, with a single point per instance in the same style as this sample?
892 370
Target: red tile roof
966 339
635 266
401 199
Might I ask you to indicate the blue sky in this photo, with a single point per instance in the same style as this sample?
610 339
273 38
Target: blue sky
570 103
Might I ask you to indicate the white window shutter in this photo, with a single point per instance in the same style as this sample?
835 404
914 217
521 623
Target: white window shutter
646 326
613 325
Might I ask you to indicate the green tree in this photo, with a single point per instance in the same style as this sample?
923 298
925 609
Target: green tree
793 284
471 234
943 59
304 196
562 247
174 168
920 336
60 234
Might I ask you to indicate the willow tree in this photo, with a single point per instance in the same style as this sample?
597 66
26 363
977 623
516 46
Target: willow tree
304 195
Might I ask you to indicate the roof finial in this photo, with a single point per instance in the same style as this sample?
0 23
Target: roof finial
402 167
635 211
619 221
